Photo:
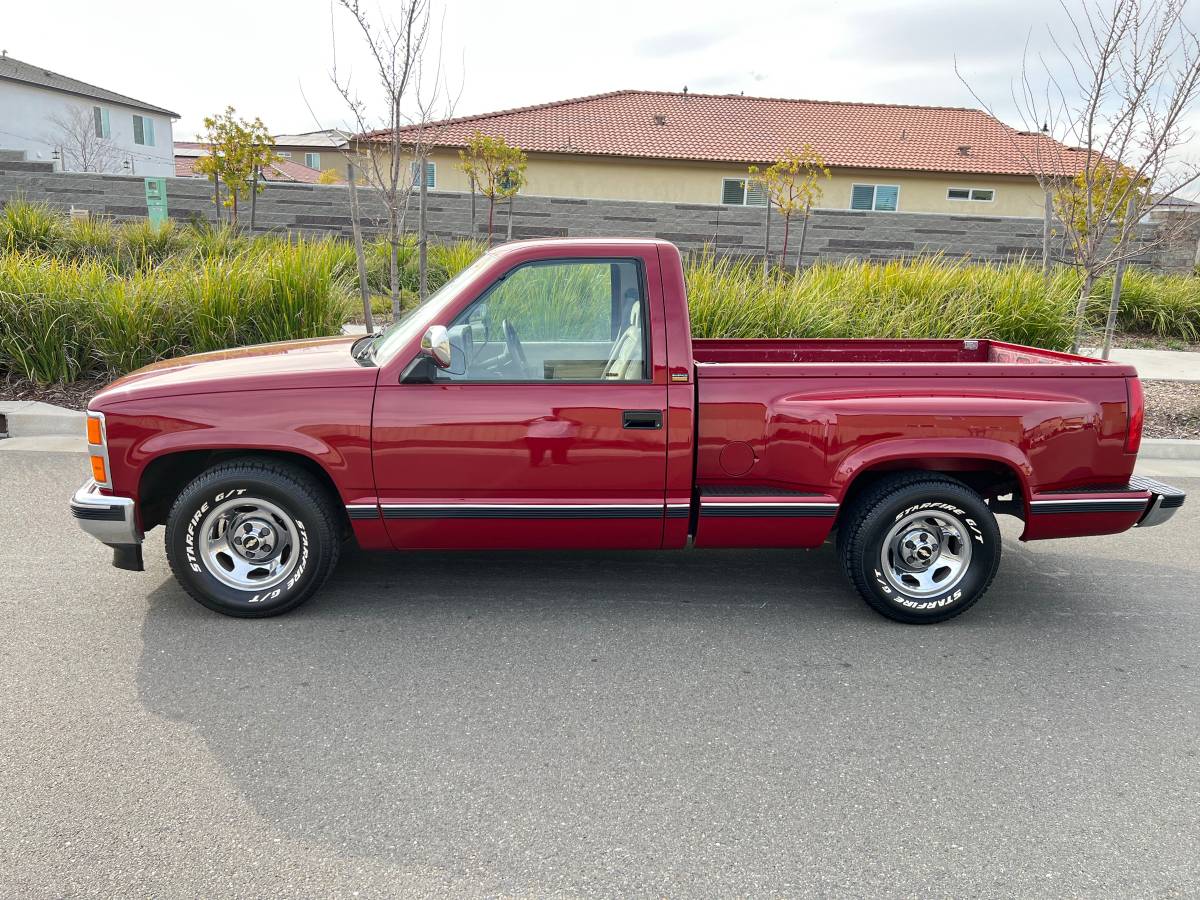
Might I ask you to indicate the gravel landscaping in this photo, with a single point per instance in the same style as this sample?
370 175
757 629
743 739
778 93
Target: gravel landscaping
1172 409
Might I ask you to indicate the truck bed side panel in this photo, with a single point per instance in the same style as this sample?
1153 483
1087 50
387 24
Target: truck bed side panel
817 434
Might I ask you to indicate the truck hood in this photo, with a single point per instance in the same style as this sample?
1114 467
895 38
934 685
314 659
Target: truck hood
308 364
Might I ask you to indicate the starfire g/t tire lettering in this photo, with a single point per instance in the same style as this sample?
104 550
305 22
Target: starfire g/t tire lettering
253 538
920 548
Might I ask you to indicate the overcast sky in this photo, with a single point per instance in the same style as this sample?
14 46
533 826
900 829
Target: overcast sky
195 59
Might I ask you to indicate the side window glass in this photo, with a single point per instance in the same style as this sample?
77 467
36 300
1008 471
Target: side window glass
569 320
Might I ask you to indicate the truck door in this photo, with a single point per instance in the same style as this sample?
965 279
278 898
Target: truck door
547 429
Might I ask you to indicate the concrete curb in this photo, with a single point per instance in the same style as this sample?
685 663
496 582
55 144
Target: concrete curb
1169 448
32 418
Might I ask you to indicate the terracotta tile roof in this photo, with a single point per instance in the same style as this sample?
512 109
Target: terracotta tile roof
187 152
737 129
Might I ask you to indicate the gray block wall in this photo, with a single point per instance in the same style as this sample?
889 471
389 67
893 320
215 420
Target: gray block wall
324 209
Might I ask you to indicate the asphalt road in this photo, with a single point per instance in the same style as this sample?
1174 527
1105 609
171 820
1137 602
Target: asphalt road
683 724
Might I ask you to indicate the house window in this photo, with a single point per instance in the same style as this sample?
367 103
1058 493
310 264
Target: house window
742 192
430 174
877 197
143 131
986 195
100 117
284 153
312 160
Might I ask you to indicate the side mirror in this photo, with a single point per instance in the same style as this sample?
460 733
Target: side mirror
436 345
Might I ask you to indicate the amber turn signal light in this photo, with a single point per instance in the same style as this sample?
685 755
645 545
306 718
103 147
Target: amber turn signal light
93 432
98 474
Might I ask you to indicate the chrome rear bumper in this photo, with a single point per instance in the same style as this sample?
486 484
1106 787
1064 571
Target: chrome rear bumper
111 521
1164 501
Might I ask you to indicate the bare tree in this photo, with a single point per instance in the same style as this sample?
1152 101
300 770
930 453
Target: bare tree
396 46
80 132
1116 93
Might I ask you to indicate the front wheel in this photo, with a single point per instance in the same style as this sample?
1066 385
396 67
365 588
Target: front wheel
920 548
252 539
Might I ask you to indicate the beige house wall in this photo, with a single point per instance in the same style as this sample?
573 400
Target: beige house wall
670 181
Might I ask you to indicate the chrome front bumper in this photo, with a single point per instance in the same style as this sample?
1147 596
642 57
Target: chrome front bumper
1164 501
111 521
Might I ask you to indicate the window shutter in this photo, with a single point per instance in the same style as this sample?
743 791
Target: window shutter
862 196
886 197
430 175
756 194
733 191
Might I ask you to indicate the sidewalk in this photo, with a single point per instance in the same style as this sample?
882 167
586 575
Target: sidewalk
1156 365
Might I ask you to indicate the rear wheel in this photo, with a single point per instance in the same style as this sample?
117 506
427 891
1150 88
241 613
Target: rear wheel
920 548
252 539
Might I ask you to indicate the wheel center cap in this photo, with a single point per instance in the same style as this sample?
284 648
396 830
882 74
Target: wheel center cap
255 539
919 548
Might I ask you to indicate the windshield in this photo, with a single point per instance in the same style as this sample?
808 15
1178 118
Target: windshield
389 341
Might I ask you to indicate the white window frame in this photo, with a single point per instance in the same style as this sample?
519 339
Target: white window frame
430 170
286 154
874 194
970 198
105 131
313 155
745 180
147 130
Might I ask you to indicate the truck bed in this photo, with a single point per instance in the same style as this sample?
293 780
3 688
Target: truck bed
894 358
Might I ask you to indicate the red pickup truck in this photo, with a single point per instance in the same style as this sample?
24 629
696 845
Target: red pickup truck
552 396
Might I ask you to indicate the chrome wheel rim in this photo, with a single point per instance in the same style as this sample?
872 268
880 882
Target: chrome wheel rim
926 553
249 544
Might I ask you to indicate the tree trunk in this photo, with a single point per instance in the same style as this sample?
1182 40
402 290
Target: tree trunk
472 181
803 236
491 218
1085 292
1114 305
253 197
359 256
1047 217
510 211
394 263
767 243
787 227
423 236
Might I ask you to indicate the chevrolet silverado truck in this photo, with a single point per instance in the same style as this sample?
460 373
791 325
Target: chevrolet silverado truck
551 396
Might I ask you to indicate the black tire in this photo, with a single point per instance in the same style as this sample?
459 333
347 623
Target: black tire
890 502
290 490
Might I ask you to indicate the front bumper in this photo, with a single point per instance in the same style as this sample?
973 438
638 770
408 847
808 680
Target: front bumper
111 521
1164 501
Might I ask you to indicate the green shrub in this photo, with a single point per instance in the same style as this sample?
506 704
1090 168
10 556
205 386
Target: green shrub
927 297
29 227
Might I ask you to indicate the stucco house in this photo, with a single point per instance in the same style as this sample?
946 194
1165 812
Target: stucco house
320 150
695 148
79 126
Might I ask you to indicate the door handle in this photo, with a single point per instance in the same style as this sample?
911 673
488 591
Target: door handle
648 419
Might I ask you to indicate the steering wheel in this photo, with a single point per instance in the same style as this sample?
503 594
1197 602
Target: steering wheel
515 351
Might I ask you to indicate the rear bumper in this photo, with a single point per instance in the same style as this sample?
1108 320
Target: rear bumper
111 521
1101 509
1165 501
